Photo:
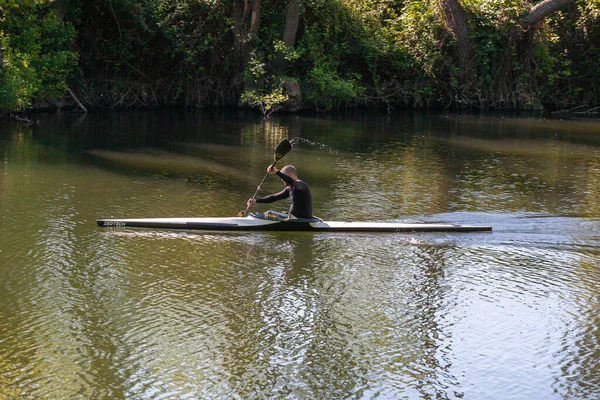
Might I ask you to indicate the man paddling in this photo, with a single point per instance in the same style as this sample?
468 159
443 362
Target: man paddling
295 190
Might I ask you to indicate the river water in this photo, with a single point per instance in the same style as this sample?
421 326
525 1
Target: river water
87 312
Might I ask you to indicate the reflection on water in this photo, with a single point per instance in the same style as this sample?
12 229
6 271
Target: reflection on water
93 313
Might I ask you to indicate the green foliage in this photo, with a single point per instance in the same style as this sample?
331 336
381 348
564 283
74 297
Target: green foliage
37 60
288 53
326 88
197 33
489 47
348 53
266 102
18 80
21 3
501 14
568 51
263 91
423 37
158 52
338 56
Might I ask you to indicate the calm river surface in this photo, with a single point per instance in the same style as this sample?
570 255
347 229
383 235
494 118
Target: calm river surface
99 313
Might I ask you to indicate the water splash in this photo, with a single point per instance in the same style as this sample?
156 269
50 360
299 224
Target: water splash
321 146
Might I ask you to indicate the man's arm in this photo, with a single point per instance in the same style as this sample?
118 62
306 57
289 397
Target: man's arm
290 181
284 194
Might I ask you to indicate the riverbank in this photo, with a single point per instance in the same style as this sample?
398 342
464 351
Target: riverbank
341 54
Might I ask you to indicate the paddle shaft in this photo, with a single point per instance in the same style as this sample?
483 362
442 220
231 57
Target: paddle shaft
259 187
282 149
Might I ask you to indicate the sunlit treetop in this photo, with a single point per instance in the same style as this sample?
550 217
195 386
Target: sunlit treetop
22 3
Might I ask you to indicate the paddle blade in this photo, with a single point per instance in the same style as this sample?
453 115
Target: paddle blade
282 149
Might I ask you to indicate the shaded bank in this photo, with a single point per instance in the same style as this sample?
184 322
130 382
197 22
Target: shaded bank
340 53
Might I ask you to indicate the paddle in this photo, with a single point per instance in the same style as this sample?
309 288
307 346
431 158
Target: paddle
282 149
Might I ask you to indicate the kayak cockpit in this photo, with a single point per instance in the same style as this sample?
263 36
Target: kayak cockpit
271 215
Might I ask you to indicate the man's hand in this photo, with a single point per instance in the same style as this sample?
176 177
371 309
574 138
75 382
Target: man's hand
271 170
251 202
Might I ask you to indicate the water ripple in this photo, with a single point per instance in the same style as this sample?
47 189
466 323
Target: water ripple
93 313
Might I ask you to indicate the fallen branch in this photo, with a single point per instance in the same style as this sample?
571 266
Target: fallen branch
577 108
122 98
571 110
77 100
26 120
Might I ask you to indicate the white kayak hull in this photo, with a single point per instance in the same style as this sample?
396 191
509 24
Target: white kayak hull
251 223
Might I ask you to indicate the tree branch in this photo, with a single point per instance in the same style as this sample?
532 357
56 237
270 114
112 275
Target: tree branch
541 10
77 100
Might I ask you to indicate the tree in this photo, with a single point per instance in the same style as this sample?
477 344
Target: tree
292 19
266 102
459 24
541 10
290 31
246 23
37 60
519 44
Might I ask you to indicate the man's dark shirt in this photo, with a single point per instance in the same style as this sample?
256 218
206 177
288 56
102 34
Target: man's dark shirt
298 193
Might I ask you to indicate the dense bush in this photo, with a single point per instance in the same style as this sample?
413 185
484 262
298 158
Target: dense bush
36 57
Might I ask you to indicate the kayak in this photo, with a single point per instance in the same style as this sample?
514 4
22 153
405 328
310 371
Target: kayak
254 223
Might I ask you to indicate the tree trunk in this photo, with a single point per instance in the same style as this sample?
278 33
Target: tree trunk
459 24
239 33
256 8
292 19
61 9
290 32
246 24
